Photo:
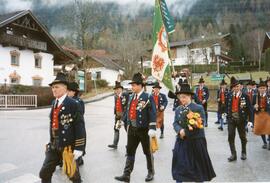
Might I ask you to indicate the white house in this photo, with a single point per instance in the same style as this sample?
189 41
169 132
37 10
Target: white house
100 63
198 51
28 52
108 70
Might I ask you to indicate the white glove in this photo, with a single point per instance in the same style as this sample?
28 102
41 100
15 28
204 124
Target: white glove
118 124
161 107
224 115
249 124
77 154
152 133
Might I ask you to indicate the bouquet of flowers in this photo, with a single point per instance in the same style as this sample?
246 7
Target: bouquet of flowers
193 121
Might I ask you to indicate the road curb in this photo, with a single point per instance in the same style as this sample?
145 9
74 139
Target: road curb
98 99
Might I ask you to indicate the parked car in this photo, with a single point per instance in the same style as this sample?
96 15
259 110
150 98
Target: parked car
126 85
151 80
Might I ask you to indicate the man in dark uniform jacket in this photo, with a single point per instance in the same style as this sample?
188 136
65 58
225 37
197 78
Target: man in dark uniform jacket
73 92
222 97
161 102
120 104
66 130
201 97
173 95
251 93
141 120
239 109
262 104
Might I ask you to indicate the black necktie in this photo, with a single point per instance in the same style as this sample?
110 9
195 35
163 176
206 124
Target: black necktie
56 104
135 97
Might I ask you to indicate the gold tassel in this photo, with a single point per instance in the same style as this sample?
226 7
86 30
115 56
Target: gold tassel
69 164
153 144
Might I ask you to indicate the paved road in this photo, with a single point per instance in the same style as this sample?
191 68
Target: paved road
23 135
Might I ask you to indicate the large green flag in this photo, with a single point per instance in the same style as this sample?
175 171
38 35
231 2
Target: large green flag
160 58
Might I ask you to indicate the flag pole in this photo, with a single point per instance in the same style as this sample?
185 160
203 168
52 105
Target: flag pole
169 48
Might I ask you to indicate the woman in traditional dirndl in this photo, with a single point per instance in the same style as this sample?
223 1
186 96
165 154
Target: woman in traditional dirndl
191 161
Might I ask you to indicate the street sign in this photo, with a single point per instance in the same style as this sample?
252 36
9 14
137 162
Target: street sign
217 77
81 80
94 75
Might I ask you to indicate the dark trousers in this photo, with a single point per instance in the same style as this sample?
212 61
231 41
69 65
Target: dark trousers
206 113
136 136
238 124
264 139
116 131
221 110
162 128
53 159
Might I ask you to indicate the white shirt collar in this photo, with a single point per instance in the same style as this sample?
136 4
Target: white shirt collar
120 94
139 94
237 94
263 95
61 99
156 93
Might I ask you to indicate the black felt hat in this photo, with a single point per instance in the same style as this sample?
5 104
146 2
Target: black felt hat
250 82
262 83
60 78
223 82
185 89
117 85
73 86
234 82
137 79
157 85
201 80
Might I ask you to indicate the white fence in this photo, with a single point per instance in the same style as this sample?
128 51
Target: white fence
18 101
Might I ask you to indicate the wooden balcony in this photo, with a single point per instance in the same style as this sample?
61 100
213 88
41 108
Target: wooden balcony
22 42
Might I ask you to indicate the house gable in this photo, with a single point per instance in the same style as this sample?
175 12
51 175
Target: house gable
22 29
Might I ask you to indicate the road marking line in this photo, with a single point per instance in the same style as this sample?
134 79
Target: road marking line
26 178
6 167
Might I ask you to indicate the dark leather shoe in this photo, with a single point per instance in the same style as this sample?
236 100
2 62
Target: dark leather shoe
217 122
149 177
220 128
232 158
264 146
123 178
243 156
161 136
112 146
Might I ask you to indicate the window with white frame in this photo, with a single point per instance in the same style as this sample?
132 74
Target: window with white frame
14 80
15 58
38 60
37 82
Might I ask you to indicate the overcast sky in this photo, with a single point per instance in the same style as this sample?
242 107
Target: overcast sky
26 4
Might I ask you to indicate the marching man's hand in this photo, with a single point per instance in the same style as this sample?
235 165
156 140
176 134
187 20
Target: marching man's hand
256 106
204 101
182 134
161 107
77 154
152 133
249 124
119 124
